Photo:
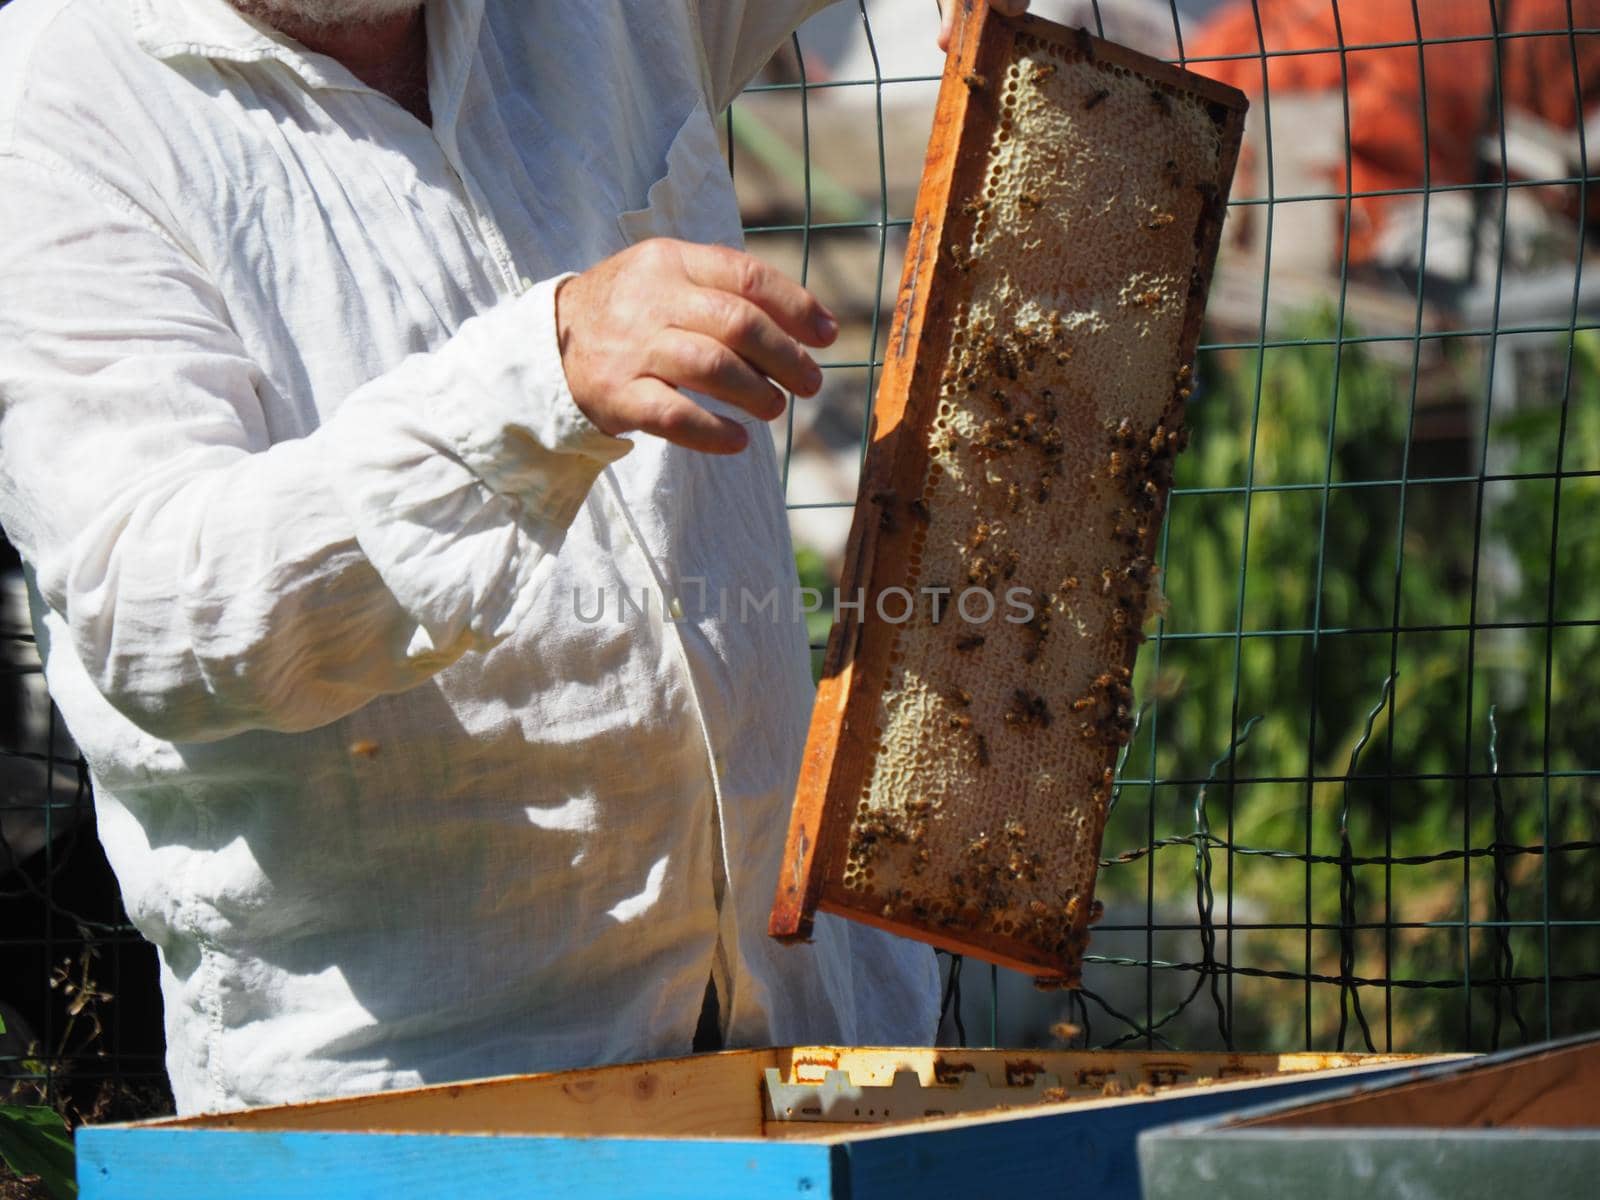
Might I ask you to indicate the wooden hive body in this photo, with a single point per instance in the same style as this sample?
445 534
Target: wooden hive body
961 752
702 1128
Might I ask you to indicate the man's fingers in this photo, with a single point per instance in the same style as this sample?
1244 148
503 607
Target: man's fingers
947 22
797 312
754 336
667 413
684 358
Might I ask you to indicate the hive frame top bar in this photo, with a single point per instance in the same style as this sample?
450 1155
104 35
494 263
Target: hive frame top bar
841 748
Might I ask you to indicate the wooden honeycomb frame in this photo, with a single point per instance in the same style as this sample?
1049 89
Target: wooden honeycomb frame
958 769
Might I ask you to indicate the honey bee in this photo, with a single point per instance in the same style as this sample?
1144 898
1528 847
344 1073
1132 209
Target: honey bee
1160 221
960 721
969 642
975 81
1043 71
1029 202
1159 99
979 846
1095 99
885 502
981 744
1027 709
958 695
919 510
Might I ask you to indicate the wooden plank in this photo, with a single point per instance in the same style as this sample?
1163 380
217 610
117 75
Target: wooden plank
1066 1149
204 1164
955 779
719 1095
1556 1089
1484 1127
710 1095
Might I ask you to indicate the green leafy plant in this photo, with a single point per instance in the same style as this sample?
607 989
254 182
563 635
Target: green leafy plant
1363 631
34 1141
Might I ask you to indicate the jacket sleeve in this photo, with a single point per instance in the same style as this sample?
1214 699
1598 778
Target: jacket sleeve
216 580
740 35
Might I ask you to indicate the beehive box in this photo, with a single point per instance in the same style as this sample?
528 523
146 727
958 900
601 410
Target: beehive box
1494 1126
702 1127
962 748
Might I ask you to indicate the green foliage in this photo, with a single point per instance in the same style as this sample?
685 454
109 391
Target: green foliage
1301 576
813 572
35 1141
1341 586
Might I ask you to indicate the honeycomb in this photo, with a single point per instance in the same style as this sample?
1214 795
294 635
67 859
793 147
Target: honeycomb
1077 262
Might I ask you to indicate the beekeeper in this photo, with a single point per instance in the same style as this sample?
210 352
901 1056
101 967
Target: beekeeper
344 357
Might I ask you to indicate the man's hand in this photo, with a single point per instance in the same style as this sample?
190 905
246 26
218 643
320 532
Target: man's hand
665 315
947 25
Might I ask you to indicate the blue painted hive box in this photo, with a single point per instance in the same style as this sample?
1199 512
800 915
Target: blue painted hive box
810 1121
1523 1122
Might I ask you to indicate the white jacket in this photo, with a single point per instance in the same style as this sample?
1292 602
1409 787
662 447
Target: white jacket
315 527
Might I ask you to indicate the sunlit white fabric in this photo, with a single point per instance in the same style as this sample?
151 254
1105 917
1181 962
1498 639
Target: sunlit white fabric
316 534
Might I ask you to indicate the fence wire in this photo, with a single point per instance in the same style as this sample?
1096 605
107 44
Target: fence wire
1359 807
1358 810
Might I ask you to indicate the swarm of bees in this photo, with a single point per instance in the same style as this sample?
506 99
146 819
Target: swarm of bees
1006 443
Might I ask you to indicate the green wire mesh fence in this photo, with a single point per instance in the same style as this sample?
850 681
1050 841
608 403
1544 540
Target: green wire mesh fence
1360 806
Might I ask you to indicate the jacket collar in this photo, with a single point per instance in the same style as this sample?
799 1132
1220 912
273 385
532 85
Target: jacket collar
215 29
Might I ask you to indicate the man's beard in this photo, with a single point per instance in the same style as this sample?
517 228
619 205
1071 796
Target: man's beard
327 12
